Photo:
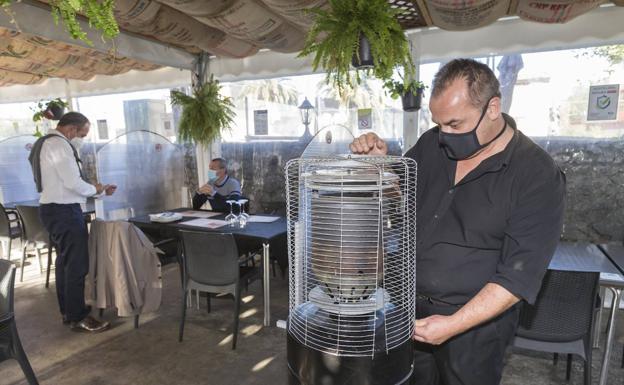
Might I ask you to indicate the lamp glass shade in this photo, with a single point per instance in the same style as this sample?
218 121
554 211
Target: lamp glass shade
304 109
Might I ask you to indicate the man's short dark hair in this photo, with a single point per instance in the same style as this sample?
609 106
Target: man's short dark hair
481 81
73 119
222 163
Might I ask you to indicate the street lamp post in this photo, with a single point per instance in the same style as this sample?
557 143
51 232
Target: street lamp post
305 109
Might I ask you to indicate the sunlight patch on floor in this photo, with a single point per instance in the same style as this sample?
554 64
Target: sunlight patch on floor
248 313
251 330
262 364
227 340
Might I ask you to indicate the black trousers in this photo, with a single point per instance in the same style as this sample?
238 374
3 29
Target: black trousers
68 231
471 358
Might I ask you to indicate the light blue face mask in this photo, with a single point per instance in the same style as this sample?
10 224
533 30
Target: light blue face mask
212 175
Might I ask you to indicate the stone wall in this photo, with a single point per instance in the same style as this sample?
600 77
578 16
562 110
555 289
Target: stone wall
260 168
594 169
259 165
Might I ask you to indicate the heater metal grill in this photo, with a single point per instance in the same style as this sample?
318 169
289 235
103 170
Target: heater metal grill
352 250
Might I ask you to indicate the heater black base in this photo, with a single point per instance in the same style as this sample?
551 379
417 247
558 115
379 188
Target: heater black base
307 366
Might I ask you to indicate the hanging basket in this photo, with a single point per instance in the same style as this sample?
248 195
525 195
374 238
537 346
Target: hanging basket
411 101
54 112
365 55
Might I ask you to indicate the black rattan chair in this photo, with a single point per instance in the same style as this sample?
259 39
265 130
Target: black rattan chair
561 321
9 230
210 264
36 236
10 345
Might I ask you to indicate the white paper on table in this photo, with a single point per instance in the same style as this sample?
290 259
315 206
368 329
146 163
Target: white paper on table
205 223
199 214
262 219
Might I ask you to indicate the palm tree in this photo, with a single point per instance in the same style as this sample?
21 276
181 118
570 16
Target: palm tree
368 94
278 91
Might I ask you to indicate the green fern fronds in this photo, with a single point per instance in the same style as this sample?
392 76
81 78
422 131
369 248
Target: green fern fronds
205 114
334 39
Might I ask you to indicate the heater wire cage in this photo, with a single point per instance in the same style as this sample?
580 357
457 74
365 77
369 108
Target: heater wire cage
352 251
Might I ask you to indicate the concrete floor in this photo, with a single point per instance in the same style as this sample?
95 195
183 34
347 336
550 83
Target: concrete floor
152 355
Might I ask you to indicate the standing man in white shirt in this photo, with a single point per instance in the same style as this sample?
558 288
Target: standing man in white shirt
59 179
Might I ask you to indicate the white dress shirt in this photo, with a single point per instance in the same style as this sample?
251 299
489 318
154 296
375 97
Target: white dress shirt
60 176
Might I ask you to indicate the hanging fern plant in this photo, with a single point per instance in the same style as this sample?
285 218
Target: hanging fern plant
335 37
99 13
52 110
205 114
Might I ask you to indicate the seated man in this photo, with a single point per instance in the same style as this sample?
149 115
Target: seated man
220 187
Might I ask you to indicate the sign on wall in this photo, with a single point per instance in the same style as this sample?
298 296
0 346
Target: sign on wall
261 123
365 119
603 102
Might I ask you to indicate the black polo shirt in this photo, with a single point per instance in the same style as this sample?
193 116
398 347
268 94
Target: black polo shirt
499 224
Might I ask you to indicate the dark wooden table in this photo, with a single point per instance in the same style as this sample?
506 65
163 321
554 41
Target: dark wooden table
263 232
88 208
583 256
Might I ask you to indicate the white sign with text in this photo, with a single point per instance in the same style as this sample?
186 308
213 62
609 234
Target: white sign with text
603 102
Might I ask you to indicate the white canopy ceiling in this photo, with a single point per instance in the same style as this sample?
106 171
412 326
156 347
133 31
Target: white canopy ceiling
166 77
600 26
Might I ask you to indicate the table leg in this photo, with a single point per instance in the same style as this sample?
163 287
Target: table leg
267 284
604 371
598 323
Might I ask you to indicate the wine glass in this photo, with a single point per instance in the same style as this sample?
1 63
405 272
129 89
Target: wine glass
241 202
242 218
231 218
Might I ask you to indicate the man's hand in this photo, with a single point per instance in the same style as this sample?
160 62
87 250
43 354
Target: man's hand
491 301
435 329
99 188
206 189
110 189
369 144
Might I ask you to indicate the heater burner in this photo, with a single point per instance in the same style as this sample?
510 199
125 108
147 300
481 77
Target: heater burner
368 304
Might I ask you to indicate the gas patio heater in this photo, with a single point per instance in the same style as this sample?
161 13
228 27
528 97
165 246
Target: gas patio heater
352 254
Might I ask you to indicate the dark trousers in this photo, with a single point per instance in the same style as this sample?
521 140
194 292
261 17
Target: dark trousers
68 232
471 358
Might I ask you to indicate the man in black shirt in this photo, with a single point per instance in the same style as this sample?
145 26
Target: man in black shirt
490 208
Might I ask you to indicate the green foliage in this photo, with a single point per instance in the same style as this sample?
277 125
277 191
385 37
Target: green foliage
397 89
42 107
205 114
613 53
334 39
99 13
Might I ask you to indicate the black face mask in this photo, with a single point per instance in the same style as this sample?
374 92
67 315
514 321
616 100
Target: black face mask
465 145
